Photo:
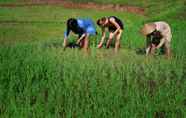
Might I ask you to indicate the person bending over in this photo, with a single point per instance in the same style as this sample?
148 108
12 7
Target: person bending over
158 35
83 28
115 28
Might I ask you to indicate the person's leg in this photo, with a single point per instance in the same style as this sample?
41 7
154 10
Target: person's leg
86 43
117 42
111 35
81 44
167 49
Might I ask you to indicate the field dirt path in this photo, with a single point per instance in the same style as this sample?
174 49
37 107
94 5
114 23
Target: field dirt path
72 5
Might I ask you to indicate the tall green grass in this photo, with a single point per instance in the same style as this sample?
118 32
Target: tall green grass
41 80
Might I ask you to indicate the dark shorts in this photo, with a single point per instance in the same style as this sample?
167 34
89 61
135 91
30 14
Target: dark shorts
113 29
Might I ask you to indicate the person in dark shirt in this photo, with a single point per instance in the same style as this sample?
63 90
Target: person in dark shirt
115 28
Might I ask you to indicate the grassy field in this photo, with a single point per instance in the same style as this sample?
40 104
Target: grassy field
39 79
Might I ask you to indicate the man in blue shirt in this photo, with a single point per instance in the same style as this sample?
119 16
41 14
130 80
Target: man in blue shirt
83 28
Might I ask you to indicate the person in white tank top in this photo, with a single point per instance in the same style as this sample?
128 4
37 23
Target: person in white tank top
159 34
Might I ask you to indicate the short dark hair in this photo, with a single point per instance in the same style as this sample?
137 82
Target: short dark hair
98 22
72 23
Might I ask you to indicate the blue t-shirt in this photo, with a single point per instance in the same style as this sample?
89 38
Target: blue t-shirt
87 26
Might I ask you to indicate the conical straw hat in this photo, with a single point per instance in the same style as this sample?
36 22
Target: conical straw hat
148 28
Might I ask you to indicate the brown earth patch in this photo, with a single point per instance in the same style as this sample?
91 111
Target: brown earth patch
89 5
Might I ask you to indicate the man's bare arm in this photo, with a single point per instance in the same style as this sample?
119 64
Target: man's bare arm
66 34
162 41
148 50
102 38
82 36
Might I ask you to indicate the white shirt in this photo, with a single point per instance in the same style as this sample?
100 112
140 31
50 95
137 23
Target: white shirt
165 29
